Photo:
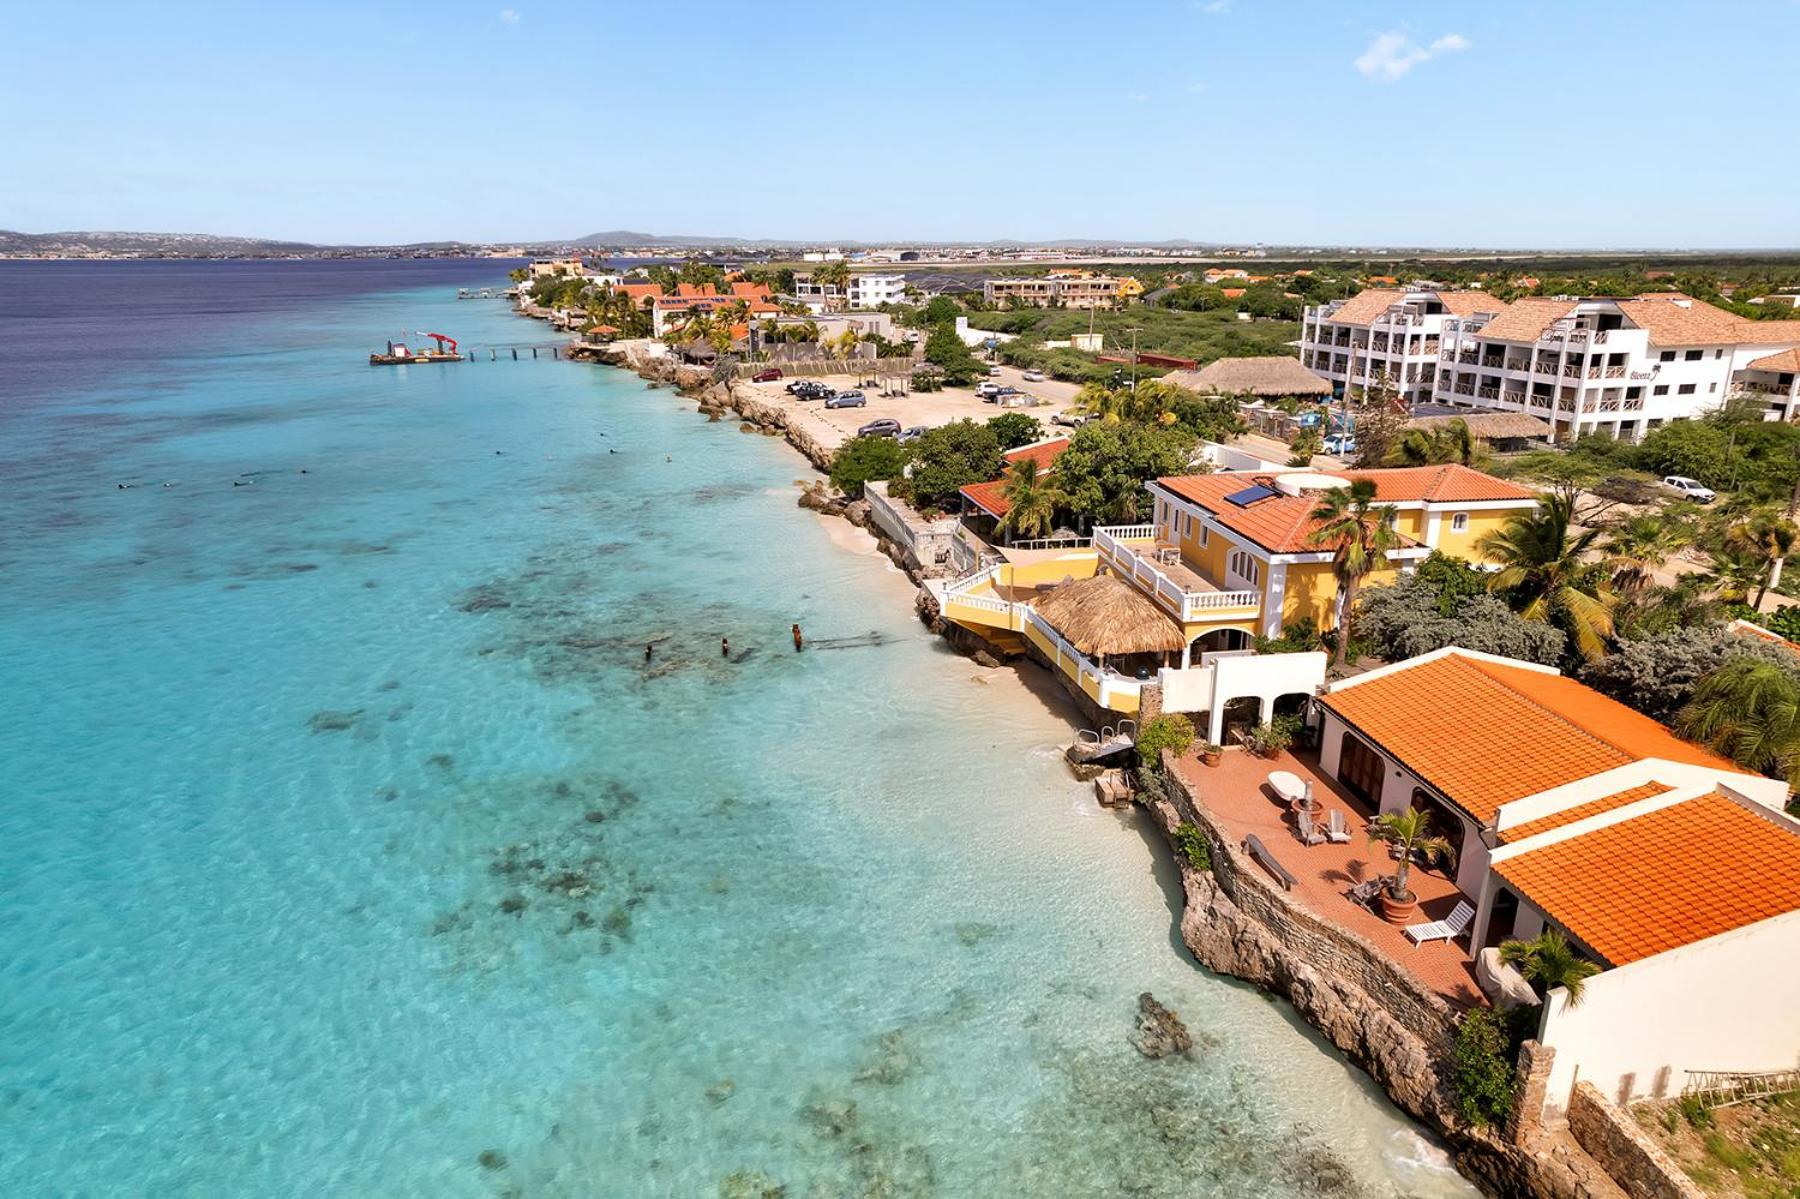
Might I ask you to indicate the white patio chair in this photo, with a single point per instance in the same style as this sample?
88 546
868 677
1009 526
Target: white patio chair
1337 829
1443 930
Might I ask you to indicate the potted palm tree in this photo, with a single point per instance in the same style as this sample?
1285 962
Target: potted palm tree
1409 832
1548 961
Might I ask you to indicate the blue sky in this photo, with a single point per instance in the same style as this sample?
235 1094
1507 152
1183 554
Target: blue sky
1605 124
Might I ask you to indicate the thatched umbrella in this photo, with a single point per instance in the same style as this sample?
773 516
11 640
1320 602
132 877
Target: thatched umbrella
1104 617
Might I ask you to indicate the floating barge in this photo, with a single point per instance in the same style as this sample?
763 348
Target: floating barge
399 354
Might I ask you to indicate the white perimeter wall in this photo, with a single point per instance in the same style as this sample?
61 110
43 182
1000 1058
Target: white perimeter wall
1728 1003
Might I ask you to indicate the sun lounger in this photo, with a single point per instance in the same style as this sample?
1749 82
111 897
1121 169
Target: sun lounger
1337 829
1308 831
1255 848
1443 930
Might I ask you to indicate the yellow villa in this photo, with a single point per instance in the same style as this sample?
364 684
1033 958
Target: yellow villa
1226 557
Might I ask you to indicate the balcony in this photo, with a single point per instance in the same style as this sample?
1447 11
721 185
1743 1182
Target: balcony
1136 553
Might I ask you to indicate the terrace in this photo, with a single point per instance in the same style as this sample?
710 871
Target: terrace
1237 798
1136 552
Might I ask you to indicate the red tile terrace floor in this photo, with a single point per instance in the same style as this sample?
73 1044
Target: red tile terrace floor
1237 794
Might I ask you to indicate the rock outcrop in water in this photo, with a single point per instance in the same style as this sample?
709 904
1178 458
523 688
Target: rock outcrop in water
1160 1032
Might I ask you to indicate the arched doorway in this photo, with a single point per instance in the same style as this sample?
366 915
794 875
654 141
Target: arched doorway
1218 641
1241 715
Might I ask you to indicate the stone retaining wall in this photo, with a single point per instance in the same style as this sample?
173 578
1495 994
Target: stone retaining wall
1612 1138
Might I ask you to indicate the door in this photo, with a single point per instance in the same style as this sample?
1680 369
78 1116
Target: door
1360 770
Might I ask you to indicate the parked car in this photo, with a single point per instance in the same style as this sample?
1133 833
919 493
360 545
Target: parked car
886 426
1034 376
1000 393
914 433
810 390
847 399
1690 489
987 390
1340 443
798 386
993 372
1072 420
768 376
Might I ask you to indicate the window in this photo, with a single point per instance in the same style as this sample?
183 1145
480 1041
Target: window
1661 389
1686 389
1360 769
1694 355
1668 356
1459 523
1718 353
1712 387
1241 564
1204 532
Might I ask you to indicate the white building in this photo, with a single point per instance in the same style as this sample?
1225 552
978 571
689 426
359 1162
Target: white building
1621 367
872 291
1669 868
1385 332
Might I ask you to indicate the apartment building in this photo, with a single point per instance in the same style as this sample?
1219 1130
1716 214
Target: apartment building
872 291
1617 366
1068 290
1385 332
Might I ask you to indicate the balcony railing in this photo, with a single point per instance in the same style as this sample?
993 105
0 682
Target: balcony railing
1183 602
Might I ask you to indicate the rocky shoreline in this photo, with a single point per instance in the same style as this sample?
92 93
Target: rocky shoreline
1408 1059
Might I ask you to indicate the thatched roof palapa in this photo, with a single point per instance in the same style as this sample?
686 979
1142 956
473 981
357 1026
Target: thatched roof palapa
1490 426
1102 615
1270 376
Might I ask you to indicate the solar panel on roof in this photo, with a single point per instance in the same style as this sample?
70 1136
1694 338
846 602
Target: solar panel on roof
1250 495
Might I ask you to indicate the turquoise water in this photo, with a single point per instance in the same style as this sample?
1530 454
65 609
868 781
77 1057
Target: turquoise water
348 846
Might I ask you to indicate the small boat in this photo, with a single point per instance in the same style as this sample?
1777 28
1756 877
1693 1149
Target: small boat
399 354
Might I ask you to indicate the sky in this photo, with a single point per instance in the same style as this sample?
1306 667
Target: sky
1530 124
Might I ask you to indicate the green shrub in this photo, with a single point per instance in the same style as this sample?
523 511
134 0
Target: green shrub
1193 846
1696 1113
866 459
1170 731
1481 1067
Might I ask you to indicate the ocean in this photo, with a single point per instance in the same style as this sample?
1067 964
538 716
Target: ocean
350 846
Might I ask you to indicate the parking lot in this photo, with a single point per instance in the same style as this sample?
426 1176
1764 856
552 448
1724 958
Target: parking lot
831 427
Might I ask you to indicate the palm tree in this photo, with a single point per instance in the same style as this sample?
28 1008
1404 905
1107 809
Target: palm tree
1548 961
1637 547
1433 447
1409 831
1361 534
1034 500
1544 575
1770 539
1737 570
1749 710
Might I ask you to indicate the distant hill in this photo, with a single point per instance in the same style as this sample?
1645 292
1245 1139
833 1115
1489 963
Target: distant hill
631 239
197 245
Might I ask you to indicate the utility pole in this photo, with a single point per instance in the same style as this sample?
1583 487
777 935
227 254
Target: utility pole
1134 333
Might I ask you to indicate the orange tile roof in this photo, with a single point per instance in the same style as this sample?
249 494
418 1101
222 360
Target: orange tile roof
991 496
1468 303
1665 879
1593 807
1745 628
695 291
1782 360
1671 322
1284 523
642 291
751 291
1231 293
1536 730
1449 484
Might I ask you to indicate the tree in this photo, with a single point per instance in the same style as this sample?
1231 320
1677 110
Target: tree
1405 620
1548 961
1748 710
1380 417
1637 547
950 457
1768 539
1432 447
1104 470
863 460
1360 534
1544 575
943 348
1658 674
1033 500
1015 429
1409 831
1171 731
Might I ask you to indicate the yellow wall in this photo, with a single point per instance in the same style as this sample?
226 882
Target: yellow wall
1312 591
1462 545
1049 570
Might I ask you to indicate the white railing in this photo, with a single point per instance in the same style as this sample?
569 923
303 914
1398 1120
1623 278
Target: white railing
1183 603
1108 684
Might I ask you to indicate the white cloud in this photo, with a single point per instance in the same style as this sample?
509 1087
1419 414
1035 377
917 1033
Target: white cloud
509 16
1392 55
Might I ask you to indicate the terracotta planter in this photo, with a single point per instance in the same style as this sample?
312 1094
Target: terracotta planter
1398 911
1211 757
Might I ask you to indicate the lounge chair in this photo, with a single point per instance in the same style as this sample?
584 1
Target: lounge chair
1255 848
1443 930
1337 829
1308 832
